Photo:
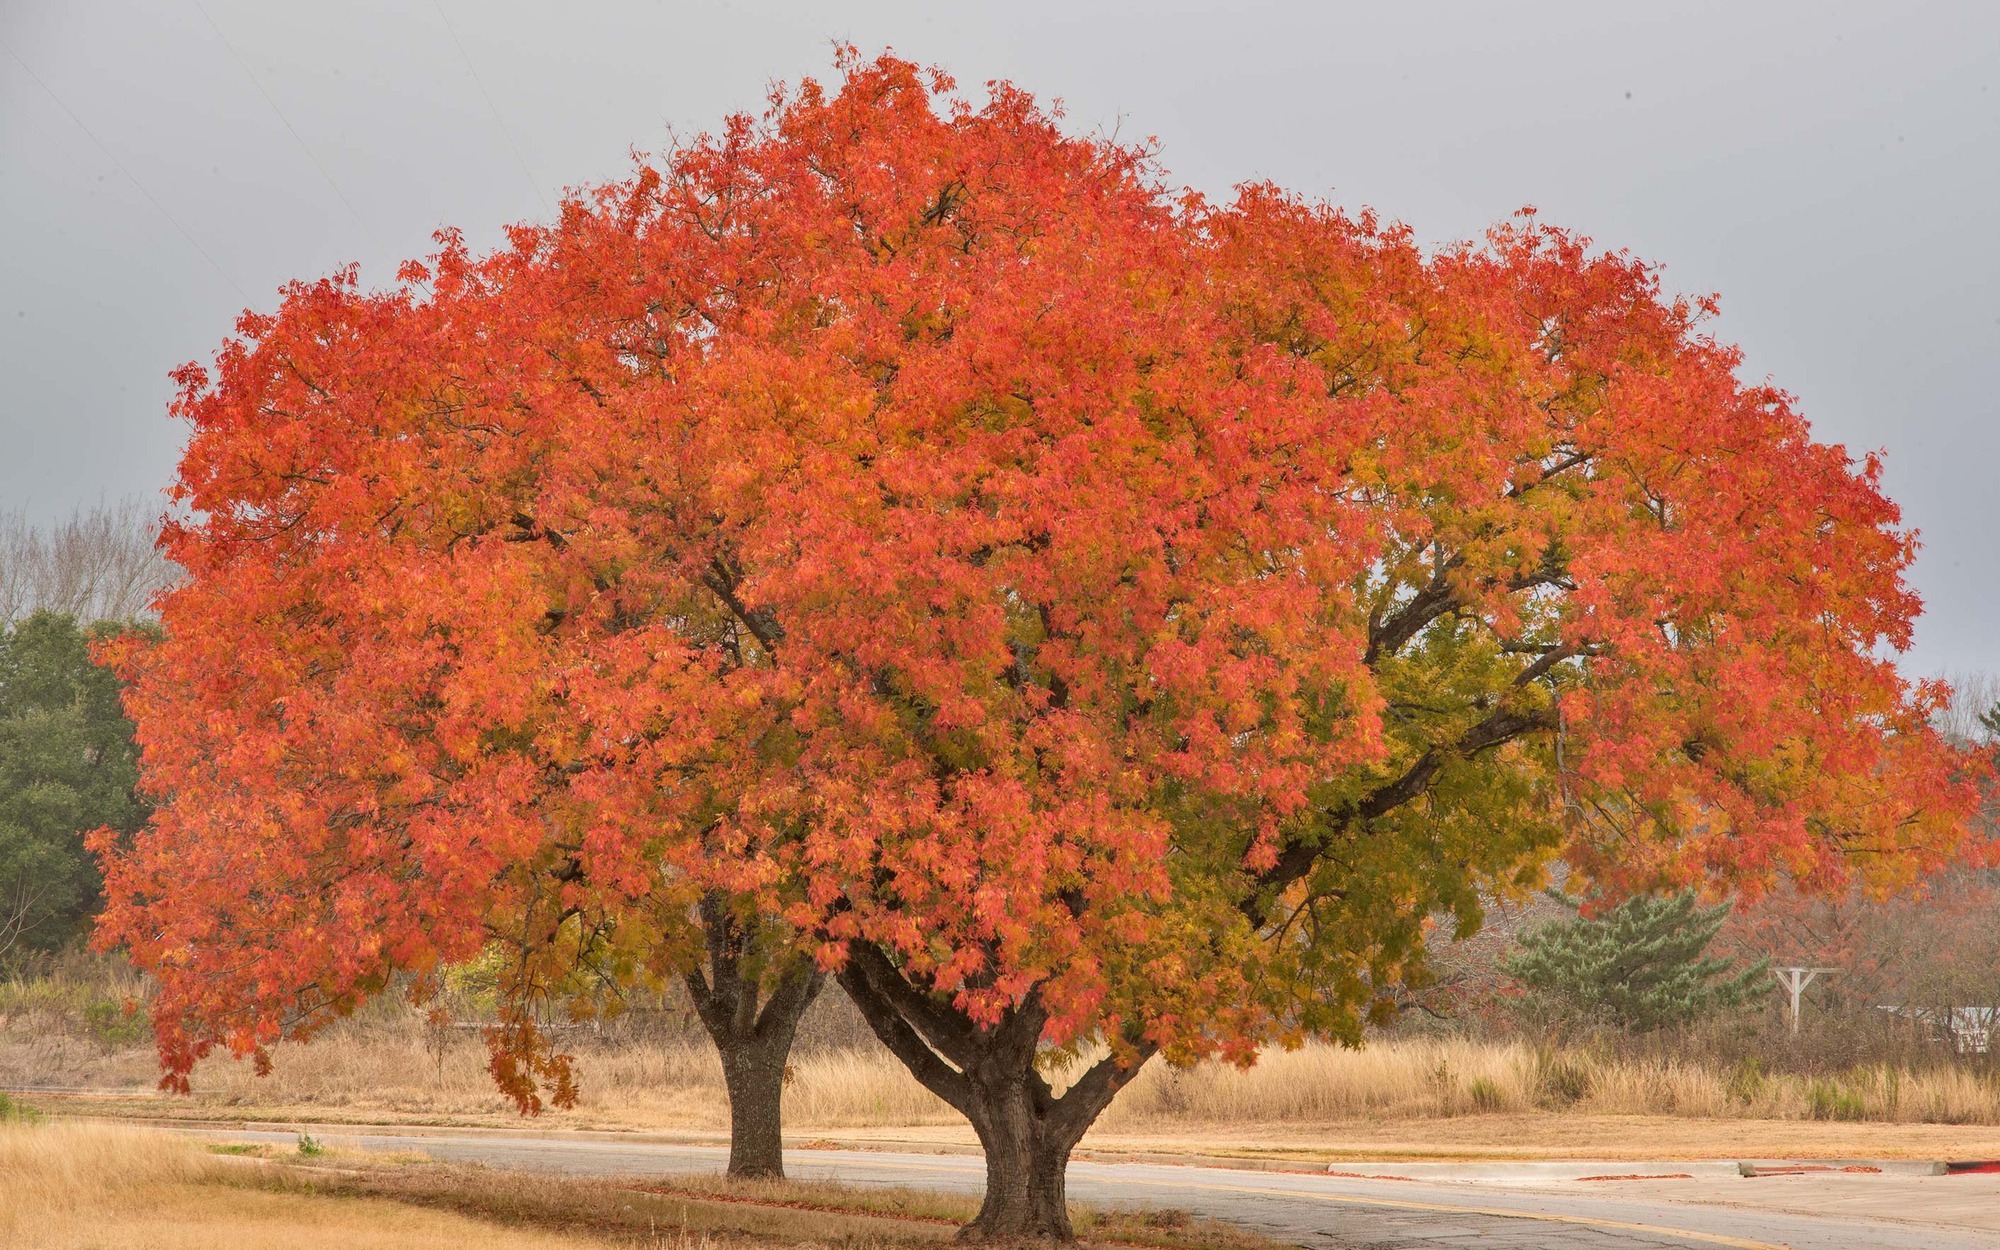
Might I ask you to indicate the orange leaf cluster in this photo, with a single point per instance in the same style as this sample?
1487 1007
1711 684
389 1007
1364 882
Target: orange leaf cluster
912 519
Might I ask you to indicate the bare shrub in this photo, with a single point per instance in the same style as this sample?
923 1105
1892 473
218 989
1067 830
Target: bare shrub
1974 692
98 564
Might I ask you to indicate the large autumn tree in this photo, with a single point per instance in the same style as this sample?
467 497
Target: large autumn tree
1090 622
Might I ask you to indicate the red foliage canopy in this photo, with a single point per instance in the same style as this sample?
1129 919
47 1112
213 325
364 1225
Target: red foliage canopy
1069 596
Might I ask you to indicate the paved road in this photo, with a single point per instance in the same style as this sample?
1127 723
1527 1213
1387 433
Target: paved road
1323 1212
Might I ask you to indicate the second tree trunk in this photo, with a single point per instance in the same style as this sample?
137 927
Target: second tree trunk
755 1075
752 1033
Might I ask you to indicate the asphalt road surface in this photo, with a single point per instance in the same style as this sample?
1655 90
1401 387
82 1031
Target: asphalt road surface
1330 1212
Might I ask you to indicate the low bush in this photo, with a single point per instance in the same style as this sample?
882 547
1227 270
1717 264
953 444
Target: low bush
117 1024
1562 1078
1829 1099
1486 1095
13 1111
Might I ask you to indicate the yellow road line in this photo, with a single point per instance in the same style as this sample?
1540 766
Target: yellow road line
1686 1234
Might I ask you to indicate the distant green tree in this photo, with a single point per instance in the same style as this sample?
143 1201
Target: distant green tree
67 765
1641 966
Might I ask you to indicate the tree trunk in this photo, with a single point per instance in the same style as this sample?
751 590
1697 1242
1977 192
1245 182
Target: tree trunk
754 1041
755 1075
1027 1164
988 1074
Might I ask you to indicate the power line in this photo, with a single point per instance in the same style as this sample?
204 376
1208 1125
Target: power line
300 139
493 108
129 175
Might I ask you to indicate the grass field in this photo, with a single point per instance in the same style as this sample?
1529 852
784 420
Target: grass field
76 1185
679 1085
93 1187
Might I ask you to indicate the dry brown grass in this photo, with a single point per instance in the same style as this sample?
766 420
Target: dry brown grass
1433 1079
767 1212
664 1084
617 1211
78 1186
680 1085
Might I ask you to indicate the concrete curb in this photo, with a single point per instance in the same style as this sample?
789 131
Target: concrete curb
1810 1167
1161 1158
1528 1171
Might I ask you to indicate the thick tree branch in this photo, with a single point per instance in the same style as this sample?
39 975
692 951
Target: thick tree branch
888 1024
1297 858
1557 469
1083 1101
1549 659
763 626
1387 635
718 998
954 1037
789 999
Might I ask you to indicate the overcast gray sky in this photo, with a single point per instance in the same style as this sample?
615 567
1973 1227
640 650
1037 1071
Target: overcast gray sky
1832 169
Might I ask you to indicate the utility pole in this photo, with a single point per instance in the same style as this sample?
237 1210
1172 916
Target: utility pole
1796 979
